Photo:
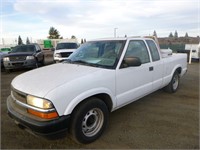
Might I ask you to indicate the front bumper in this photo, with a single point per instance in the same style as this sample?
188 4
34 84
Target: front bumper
49 128
20 64
60 59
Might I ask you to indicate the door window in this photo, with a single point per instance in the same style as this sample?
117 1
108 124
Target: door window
137 48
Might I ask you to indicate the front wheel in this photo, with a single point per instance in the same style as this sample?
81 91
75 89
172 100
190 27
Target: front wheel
89 120
172 87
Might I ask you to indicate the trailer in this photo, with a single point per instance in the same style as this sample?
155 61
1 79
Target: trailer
194 50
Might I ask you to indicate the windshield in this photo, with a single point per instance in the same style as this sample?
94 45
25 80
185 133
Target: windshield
66 46
98 53
23 48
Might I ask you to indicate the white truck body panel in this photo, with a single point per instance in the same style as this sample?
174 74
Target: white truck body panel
66 85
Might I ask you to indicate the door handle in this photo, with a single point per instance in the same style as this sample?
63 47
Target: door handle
150 68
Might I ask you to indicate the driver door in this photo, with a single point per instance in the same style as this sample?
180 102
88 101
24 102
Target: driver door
134 82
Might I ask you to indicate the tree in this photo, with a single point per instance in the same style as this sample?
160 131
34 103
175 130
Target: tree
176 34
20 42
27 41
84 40
154 33
186 35
171 35
73 37
53 33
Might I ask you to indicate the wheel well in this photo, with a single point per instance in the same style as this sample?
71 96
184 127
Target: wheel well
104 97
179 70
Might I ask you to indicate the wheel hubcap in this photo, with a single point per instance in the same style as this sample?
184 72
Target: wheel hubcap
175 82
92 122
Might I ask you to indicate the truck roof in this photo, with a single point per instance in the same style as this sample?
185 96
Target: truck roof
68 41
121 38
154 38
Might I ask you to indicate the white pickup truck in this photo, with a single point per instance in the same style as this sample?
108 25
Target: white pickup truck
64 49
99 77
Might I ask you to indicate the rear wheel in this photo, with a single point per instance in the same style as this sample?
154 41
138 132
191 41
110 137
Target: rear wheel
172 87
89 120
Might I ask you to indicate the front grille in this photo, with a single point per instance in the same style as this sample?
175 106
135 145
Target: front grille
65 54
18 96
17 58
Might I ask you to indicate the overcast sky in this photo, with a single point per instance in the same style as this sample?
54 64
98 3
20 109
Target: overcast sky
97 18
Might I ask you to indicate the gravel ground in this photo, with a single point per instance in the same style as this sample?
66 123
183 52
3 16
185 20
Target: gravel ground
157 121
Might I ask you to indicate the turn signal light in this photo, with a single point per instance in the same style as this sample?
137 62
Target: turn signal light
50 115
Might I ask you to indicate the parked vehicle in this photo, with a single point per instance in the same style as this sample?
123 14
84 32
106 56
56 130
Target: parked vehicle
195 50
99 77
3 53
64 50
24 56
192 51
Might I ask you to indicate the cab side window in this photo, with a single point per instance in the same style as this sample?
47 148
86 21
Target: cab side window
38 48
153 49
137 48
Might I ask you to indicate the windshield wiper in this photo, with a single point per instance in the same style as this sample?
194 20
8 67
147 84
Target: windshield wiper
74 61
85 63
67 61
79 61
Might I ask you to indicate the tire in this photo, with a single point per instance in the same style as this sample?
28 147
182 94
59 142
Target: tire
173 86
36 64
89 120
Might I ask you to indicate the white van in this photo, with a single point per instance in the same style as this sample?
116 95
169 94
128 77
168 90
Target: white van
63 50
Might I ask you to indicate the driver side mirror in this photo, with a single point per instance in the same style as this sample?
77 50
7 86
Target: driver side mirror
37 51
131 62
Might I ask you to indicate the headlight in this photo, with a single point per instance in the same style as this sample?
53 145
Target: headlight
30 57
6 59
39 102
57 55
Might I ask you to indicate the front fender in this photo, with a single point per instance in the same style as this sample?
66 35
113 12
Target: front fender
85 95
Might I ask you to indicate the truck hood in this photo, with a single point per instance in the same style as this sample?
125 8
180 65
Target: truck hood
21 54
39 82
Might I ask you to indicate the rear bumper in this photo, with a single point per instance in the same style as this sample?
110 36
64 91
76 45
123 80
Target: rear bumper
49 129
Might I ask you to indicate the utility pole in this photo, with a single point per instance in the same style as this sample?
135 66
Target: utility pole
115 30
3 42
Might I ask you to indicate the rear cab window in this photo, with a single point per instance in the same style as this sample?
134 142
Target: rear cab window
153 50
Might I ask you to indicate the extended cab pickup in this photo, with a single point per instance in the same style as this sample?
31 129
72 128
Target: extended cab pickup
99 77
